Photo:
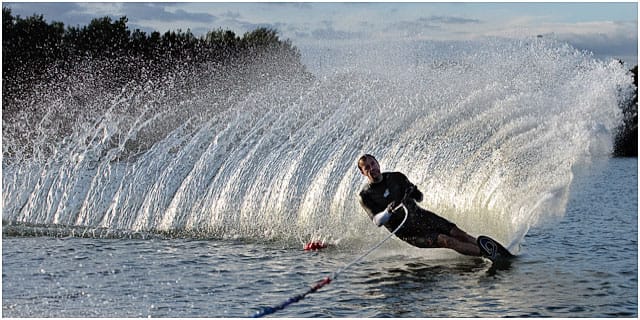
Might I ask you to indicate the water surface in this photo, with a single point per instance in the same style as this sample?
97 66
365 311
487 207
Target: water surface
583 265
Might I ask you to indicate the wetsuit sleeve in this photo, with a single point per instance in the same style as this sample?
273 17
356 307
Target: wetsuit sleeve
415 194
365 206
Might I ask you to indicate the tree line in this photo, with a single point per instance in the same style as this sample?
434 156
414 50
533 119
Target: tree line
31 47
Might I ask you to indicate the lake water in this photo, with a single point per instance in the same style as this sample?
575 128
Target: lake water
581 265
192 194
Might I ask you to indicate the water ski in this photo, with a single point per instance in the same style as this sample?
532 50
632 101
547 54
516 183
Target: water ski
493 250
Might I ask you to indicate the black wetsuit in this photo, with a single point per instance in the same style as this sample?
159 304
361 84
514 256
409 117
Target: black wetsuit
422 226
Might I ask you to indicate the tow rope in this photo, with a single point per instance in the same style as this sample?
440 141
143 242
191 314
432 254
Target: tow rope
269 310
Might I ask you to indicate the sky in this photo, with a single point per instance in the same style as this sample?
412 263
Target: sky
609 30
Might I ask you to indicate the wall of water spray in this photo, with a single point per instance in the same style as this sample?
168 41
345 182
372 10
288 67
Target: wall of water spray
489 130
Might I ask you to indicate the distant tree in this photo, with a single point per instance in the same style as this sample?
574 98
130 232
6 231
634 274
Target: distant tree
261 37
221 38
29 46
102 37
626 141
35 52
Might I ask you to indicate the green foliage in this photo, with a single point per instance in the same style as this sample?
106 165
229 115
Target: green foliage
261 37
626 141
30 43
101 37
32 47
223 38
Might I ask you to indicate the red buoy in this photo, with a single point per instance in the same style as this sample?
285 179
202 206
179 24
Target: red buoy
314 245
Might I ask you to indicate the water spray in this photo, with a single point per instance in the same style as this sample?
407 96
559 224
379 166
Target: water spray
187 152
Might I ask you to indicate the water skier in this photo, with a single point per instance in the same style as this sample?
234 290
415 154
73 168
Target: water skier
424 229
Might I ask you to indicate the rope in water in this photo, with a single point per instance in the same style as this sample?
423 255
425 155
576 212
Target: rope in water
269 310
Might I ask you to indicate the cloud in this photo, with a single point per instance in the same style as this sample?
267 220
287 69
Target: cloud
152 11
293 5
621 45
278 26
232 15
431 23
332 34
414 25
138 14
71 14
450 20
55 9
598 36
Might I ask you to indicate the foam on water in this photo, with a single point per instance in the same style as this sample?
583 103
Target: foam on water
489 130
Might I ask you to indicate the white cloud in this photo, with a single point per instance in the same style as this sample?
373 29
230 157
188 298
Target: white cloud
100 9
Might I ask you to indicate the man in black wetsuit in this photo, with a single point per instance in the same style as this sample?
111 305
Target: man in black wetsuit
423 228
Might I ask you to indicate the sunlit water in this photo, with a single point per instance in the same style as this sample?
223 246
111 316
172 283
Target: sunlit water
192 195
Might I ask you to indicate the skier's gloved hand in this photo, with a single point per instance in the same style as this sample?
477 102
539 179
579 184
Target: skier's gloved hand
384 216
